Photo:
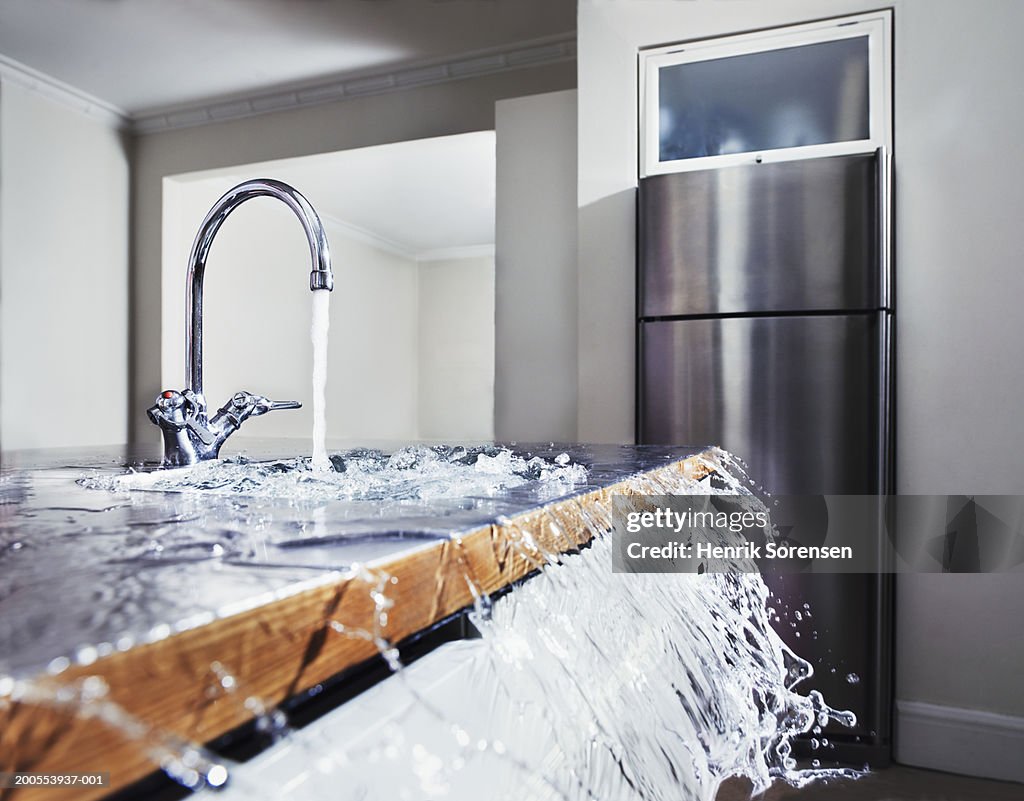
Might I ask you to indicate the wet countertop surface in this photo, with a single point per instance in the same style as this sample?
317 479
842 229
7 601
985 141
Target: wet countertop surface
90 564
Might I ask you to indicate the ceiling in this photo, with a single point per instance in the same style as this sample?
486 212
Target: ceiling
418 197
149 55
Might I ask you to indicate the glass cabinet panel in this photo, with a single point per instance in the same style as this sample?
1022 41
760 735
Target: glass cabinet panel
790 97
803 91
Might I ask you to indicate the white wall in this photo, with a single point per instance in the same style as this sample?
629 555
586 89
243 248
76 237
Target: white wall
535 314
959 151
64 186
456 349
257 319
455 107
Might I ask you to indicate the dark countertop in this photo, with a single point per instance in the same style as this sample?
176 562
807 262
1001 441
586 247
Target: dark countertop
87 572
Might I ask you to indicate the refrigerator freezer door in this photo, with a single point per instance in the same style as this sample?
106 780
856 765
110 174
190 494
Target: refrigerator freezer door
783 237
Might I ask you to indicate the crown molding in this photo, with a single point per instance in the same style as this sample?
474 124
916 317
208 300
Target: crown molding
367 237
15 72
531 53
453 254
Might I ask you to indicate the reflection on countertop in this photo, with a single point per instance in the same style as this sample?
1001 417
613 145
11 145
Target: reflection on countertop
88 572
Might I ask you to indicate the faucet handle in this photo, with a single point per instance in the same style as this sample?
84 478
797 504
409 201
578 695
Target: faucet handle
167 411
278 405
176 410
244 405
263 405
178 414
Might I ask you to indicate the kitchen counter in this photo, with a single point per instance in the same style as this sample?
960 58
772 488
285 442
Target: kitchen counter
150 589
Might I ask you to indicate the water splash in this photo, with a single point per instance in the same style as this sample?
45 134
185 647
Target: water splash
187 763
413 473
653 686
585 684
318 334
588 684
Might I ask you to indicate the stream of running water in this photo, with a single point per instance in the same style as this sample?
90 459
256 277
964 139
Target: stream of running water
318 334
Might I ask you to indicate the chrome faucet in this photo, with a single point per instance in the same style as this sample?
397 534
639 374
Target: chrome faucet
189 434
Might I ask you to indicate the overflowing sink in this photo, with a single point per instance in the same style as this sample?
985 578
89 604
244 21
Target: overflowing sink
411 473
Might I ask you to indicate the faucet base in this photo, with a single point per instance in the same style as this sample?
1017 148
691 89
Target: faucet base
189 437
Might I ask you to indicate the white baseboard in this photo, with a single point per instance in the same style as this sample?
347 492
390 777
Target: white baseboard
964 741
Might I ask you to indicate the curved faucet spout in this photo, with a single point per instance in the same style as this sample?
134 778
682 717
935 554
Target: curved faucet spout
320 277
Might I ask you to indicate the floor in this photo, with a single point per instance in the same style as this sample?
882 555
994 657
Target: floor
897 783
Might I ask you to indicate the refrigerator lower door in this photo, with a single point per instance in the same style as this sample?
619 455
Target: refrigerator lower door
801 400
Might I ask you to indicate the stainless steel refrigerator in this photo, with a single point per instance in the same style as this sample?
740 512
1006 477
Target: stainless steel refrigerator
765 326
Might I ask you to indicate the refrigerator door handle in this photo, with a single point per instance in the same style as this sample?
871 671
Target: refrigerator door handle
885 227
884 583
886 484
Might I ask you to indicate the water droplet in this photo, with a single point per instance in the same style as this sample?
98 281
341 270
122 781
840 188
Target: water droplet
852 678
86 655
160 632
93 688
